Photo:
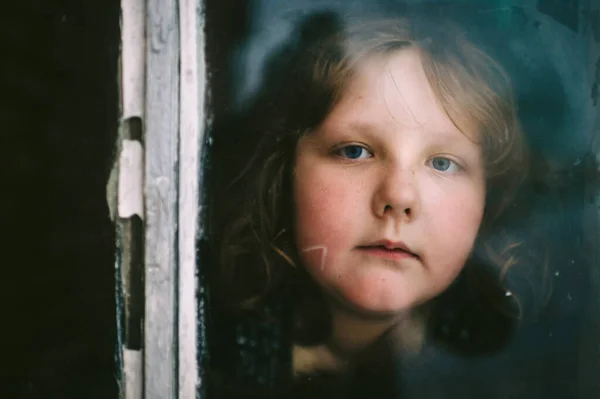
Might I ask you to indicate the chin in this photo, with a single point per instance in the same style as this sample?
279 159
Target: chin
375 311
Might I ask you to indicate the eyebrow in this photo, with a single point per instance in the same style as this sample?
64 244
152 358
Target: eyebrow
368 129
372 130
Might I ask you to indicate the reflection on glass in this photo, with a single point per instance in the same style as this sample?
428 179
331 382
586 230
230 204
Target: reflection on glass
396 208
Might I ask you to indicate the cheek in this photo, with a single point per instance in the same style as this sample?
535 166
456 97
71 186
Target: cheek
460 209
316 228
315 215
463 219
325 208
468 212
314 258
455 230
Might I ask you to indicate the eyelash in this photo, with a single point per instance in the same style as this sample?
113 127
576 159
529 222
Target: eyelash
339 152
459 168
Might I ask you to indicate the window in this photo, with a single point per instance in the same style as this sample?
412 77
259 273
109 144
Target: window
223 101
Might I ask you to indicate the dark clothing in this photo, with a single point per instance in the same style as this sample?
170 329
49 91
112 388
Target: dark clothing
251 358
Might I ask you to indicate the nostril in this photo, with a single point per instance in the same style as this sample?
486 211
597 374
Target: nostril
407 211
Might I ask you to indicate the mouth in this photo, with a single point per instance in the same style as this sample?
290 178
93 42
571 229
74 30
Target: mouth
388 250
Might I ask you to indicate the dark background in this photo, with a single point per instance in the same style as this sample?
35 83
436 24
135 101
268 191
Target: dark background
58 123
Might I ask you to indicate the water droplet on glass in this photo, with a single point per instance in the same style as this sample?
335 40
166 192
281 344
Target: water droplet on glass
508 293
557 273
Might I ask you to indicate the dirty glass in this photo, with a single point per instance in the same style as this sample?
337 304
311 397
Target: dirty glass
401 199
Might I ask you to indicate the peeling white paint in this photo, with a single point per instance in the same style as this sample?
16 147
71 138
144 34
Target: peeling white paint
191 119
133 59
130 191
132 364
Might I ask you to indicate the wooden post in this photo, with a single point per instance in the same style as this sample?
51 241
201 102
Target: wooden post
125 198
192 92
161 198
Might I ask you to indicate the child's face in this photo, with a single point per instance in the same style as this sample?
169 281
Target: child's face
387 168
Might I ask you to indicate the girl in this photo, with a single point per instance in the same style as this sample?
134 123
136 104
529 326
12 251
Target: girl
352 226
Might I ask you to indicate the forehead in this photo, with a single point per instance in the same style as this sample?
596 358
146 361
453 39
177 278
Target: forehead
393 89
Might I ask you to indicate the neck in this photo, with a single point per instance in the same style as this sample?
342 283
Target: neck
352 332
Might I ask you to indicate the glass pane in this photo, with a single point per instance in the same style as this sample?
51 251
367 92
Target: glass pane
402 199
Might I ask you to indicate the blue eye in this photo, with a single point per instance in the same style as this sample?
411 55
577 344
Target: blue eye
444 164
354 152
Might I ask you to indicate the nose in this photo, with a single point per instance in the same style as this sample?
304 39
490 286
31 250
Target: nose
396 194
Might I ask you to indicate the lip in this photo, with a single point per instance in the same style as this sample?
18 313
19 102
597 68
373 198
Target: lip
387 249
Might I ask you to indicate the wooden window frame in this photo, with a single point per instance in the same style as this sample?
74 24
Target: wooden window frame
157 180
